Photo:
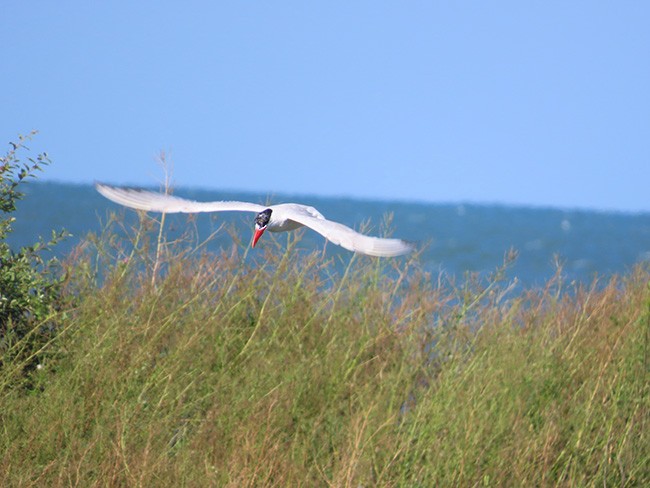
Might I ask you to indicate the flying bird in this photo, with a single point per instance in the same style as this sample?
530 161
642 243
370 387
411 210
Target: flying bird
275 218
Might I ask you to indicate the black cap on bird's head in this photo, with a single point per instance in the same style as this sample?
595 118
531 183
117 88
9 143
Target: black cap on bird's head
261 221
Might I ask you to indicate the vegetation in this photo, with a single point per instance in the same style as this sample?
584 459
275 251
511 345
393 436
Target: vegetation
30 287
179 368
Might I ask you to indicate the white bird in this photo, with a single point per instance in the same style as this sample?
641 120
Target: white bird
275 218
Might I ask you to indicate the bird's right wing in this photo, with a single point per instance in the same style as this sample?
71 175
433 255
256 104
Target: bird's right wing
350 239
161 202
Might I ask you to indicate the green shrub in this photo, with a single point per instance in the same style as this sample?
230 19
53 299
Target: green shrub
30 286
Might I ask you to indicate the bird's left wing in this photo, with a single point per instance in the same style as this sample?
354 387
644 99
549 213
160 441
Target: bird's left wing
161 202
350 239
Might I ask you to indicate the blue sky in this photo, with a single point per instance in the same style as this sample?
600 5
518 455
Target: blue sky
534 103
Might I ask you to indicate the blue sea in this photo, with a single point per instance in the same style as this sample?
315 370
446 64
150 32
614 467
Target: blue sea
455 238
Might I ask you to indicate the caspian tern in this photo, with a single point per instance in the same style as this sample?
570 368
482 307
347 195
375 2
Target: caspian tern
275 218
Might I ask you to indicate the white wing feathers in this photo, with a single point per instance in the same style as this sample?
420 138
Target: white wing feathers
160 202
350 239
283 215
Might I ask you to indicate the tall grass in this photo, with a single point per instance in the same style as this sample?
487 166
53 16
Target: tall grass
187 369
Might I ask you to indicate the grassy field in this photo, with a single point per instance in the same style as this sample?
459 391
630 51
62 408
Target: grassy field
185 369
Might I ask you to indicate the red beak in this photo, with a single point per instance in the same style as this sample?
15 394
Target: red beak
257 235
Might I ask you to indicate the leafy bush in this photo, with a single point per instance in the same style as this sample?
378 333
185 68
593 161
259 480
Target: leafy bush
30 286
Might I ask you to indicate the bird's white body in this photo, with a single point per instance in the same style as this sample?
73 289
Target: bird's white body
279 218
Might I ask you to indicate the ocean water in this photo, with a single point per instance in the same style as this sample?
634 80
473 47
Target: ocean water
455 238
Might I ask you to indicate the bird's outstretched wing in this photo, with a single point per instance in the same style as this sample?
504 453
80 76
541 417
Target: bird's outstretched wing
160 202
350 239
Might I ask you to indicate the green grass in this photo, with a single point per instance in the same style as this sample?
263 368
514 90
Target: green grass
222 372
